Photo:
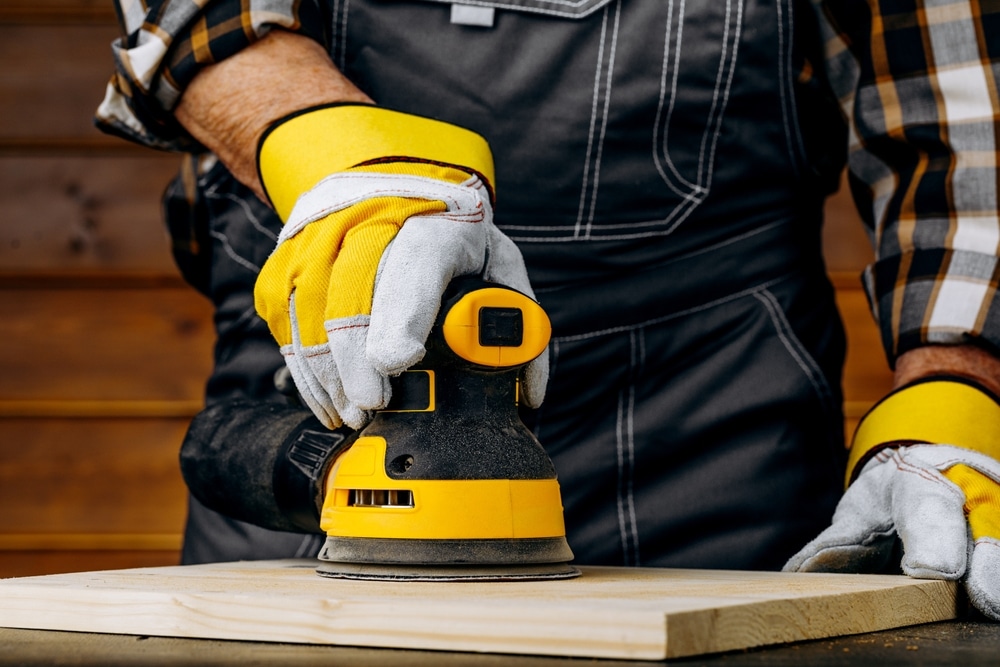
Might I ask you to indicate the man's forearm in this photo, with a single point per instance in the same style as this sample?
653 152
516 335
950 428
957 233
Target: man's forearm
229 105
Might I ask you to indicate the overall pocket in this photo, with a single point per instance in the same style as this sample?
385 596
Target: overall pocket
609 119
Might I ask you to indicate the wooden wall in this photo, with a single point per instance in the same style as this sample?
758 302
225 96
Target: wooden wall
104 350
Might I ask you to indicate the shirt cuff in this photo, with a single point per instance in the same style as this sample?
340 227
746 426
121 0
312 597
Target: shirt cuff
166 47
935 296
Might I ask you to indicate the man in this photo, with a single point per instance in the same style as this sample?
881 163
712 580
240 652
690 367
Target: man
660 167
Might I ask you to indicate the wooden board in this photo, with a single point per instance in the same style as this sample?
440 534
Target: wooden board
608 612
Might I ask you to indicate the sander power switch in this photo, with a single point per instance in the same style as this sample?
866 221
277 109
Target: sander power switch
496 327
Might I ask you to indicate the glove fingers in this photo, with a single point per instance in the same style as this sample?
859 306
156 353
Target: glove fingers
861 537
423 258
979 483
983 581
824 556
505 264
310 388
363 388
321 383
929 518
535 379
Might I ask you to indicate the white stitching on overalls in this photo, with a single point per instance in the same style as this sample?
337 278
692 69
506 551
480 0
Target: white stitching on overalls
794 346
657 142
731 63
793 134
605 74
340 8
638 351
246 316
233 255
695 192
593 122
625 445
671 316
309 547
242 203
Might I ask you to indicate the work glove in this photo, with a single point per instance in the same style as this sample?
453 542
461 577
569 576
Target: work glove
924 469
381 210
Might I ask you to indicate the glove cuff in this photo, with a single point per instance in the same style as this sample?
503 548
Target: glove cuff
935 410
300 150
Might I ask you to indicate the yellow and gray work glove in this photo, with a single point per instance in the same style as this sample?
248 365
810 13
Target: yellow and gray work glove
381 210
924 466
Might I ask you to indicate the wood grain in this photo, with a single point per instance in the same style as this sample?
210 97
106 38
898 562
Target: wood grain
52 79
74 214
57 11
867 377
642 614
846 245
104 344
90 476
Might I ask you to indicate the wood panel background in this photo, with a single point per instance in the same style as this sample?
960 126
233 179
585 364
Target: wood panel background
105 350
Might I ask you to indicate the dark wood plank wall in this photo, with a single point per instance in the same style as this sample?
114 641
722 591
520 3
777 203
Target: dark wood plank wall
105 350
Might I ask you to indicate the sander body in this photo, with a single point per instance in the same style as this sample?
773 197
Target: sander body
446 482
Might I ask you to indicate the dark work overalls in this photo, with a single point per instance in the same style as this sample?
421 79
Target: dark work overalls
661 164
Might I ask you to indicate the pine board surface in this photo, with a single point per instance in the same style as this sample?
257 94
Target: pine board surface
607 612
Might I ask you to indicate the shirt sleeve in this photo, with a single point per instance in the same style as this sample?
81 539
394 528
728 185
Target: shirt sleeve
165 43
919 84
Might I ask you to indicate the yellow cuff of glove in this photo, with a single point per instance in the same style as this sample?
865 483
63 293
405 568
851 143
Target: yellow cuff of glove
298 152
949 411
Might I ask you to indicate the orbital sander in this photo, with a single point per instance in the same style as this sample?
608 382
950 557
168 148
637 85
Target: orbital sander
446 482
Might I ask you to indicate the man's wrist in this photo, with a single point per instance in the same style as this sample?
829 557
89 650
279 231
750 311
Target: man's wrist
966 361
939 409
228 105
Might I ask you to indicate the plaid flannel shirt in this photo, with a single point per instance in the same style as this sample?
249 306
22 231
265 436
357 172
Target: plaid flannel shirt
918 80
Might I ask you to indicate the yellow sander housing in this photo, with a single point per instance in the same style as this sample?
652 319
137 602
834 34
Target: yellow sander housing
447 483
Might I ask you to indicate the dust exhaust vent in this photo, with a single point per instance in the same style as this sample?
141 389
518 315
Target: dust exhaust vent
380 498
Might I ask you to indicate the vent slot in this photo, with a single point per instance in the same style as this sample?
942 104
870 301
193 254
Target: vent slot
380 498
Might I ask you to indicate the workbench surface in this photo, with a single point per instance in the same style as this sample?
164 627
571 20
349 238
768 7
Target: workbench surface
967 643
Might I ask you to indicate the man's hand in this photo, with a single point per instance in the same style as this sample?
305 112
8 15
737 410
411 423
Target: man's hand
378 221
351 291
924 469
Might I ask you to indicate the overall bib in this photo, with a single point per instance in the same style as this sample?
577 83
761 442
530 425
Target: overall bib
661 164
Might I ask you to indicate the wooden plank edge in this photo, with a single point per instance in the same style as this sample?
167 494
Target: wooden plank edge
154 409
630 635
809 618
90 542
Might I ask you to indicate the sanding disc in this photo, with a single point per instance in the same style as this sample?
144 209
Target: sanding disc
407 572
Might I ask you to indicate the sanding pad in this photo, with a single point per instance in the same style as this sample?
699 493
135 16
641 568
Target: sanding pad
407 572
